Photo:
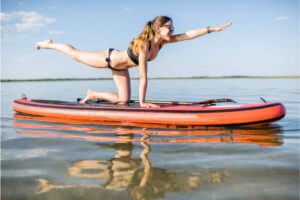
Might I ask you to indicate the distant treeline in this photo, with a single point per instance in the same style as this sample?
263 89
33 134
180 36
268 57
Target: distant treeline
153 78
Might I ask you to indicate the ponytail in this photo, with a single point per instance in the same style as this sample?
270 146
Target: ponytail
140 42
148 34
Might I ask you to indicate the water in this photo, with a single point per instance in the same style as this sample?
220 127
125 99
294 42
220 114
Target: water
56 159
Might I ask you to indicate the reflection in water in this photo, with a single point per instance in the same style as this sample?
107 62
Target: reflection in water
135 174
259 135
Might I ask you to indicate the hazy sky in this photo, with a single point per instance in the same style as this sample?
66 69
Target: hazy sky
263 40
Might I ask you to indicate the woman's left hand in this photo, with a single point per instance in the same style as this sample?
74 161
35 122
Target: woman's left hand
149 105
220 28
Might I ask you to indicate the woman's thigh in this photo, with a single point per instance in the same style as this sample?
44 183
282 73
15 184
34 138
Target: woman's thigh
122 80
93 59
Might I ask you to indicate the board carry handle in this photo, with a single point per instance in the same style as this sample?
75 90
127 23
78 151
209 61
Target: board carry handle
206 102
214 101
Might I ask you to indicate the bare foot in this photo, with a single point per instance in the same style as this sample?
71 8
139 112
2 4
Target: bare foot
43 44
89 96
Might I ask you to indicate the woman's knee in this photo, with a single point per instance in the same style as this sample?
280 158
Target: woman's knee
123 98
124 94
122 82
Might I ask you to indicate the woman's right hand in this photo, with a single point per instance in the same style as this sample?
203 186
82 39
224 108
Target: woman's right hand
149 105
220 28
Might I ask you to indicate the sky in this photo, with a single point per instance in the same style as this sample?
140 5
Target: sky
263 40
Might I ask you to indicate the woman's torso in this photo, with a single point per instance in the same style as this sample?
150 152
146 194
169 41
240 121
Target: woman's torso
121 60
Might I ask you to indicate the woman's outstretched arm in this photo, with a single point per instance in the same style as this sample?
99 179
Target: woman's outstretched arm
198 32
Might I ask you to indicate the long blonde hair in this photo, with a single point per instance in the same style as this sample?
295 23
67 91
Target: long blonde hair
139 43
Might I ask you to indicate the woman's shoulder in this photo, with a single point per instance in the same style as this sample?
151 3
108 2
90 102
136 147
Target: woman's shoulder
162 44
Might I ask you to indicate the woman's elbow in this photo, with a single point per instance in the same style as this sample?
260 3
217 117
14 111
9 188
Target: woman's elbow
143 78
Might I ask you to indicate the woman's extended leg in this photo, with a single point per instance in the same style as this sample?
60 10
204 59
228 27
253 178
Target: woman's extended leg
93 59
122 81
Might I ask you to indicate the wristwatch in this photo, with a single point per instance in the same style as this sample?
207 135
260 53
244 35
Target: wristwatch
208 29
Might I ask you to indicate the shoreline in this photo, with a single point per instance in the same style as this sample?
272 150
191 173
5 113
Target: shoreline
151 78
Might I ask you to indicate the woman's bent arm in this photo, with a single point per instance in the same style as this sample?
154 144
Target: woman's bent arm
143 88
143 77
143 85
143 80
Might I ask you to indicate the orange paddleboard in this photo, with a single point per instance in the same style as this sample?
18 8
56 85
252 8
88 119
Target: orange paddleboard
198 114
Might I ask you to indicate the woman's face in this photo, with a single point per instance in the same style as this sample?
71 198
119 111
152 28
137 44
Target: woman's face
166 30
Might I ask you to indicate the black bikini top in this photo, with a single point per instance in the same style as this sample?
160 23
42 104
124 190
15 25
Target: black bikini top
135 58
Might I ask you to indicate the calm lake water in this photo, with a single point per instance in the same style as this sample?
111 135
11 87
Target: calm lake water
65 160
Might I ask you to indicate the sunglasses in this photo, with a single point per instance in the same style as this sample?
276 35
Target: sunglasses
170 27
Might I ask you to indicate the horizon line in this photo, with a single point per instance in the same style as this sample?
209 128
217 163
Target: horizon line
154 78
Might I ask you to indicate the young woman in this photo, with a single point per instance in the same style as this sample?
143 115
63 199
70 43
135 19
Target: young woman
145 47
